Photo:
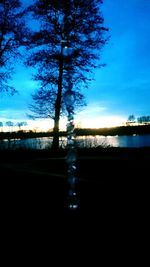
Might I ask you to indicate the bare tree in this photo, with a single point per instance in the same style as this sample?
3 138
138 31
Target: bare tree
21 124
12 36
10 124
1 126
143 119
77 26
43 104
131 118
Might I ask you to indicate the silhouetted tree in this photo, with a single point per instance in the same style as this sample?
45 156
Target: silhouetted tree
21 124
43 104
143 119
69 38
1 125
12 36
131 118
10 124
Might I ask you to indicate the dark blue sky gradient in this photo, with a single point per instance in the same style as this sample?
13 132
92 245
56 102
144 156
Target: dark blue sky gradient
122 87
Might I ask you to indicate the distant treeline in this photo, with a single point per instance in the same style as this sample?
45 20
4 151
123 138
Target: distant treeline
23 134
120 130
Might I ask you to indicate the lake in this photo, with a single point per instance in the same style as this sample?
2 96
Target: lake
82 141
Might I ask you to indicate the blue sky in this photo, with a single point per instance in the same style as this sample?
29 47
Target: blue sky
122 87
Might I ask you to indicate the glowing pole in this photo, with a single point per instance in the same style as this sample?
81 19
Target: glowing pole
72 201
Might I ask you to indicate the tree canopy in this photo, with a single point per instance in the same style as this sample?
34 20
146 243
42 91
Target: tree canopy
12 36
65 48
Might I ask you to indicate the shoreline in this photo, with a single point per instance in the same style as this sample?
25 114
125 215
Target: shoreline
118 130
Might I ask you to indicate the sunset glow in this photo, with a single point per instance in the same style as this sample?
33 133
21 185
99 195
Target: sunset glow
95 122
47 124
102 122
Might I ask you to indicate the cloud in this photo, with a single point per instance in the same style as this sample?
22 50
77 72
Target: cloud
93 109
13 114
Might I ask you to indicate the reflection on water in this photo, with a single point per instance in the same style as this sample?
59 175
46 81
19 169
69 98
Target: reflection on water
131 141
82 141
114 141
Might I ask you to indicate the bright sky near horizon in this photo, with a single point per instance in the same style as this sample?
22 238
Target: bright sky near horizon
120 89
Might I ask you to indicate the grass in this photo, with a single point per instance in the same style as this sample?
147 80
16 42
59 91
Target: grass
112 188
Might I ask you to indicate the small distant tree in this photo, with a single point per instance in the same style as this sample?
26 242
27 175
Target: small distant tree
10 124
12 36
131 118
21 124
1 126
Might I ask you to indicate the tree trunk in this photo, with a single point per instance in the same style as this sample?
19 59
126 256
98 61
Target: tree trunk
55 144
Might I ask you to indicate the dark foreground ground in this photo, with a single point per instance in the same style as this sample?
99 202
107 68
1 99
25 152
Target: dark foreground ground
113 192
